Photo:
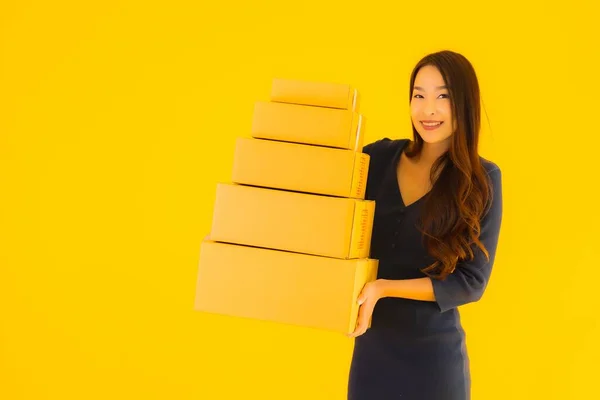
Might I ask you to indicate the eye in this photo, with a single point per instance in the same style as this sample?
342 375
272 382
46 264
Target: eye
418 96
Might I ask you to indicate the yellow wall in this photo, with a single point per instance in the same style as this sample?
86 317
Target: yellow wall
117 119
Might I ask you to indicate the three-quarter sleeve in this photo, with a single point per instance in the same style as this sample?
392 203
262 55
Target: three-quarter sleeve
468 281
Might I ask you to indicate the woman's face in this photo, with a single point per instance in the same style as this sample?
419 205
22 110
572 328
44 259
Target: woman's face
430 106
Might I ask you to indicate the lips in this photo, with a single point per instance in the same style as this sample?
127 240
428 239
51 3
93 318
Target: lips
431 125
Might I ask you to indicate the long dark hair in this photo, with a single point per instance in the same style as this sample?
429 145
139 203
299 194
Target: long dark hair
461 192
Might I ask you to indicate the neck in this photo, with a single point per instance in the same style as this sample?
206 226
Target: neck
432 151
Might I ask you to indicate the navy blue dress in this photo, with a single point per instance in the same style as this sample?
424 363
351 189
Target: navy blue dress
415 350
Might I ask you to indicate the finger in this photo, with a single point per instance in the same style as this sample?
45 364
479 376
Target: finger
358 327
363 316
363 294
361 299
357 332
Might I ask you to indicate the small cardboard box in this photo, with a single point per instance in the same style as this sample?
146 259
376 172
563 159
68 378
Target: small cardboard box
300 222
279 286
299 167
312 93
329 127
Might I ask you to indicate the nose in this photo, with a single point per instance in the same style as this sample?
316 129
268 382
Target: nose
430 107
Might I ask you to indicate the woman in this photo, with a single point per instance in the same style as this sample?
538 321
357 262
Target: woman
437 221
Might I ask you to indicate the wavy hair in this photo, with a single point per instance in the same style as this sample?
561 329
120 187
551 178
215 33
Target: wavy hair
461 191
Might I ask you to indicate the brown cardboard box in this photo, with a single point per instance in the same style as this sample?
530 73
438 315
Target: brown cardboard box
319 126
299 167
279 286
320 94
305 223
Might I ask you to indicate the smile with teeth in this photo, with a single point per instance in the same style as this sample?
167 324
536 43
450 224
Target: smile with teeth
431 123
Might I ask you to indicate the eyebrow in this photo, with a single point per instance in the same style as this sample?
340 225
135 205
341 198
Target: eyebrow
437 88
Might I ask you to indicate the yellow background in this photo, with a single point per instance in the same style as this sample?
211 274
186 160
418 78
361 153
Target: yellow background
117 119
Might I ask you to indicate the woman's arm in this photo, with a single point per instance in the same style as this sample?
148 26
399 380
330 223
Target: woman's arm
464 285
414 289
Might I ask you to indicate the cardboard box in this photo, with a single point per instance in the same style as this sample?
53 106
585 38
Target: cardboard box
320 94
299 167
305 223
318 126
279 286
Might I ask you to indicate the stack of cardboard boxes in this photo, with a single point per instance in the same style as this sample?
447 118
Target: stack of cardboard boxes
290 236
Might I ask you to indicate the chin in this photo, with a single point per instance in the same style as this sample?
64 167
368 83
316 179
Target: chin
432 137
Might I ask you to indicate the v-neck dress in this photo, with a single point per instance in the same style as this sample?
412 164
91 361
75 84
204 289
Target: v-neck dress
415 350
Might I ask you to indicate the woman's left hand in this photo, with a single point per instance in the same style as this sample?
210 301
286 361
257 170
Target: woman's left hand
370 294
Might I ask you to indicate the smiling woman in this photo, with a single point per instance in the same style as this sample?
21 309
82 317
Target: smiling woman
429 99
435 233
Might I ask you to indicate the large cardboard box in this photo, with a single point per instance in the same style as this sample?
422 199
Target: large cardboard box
308 125
299 167
305 223
311 93
279 286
